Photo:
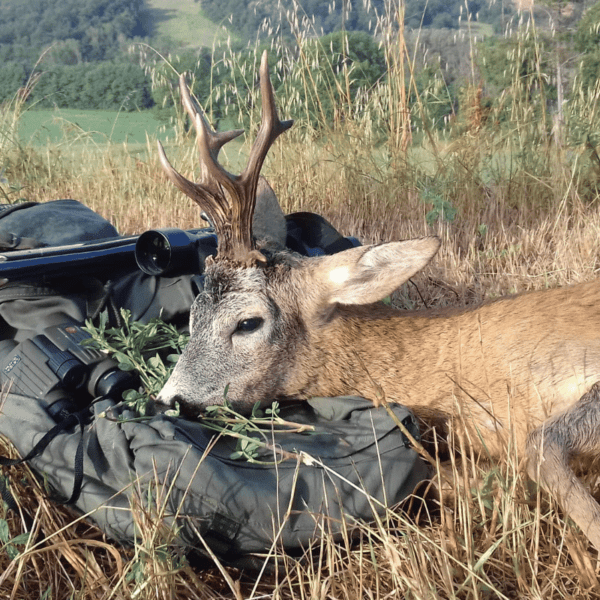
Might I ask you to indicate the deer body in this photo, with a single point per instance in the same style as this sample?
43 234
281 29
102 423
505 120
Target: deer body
505 367
270 325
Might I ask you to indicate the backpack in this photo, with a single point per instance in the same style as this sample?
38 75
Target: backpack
349 464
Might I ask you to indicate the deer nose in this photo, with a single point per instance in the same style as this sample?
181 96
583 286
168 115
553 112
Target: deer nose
168 395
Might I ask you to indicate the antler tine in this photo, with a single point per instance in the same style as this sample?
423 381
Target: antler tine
207 196
215 140
270 128
208 193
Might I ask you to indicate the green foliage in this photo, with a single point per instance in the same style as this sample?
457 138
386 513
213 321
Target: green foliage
442 210
518 73
73 36
252 433
332 74
439 14
12 77
251 18
248 18
341 66
432 90
198 68
93 29
587 42
101 85
10 544
587 36
143 348
513 60
589 70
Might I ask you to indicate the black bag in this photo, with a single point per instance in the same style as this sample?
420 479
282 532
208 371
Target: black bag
354 463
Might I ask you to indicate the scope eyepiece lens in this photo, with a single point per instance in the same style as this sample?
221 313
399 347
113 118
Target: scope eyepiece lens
173 252
153 252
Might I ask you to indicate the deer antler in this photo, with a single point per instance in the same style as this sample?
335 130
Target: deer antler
228 199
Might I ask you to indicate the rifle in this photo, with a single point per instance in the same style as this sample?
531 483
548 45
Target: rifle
164 252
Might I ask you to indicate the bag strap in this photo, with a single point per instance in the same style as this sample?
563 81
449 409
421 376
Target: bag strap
71 420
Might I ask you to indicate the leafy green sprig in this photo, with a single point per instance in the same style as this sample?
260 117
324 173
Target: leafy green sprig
253 432
139 347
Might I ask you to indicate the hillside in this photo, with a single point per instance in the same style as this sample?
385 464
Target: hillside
182 21
83 30
248 17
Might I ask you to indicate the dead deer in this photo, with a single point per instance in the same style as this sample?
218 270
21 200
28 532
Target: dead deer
270 325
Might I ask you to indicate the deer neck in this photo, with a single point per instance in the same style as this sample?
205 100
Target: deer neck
376 352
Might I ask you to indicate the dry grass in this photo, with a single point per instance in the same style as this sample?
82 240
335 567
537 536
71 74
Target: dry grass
493 539
527 217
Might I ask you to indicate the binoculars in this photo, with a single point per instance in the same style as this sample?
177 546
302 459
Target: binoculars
60 372
54 366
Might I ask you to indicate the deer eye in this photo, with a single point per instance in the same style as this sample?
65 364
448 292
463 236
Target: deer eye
249 325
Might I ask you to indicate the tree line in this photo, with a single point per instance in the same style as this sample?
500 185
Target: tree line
248 18
83 30
84 45
85 71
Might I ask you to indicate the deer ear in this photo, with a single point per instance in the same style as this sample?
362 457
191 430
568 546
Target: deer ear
370 273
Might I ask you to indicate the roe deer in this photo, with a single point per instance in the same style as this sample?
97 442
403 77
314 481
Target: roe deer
272 325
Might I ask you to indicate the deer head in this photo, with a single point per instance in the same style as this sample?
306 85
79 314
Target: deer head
259 327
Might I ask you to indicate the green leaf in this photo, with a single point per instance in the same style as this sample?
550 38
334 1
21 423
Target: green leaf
4 531
23 538
257 411
130 395
156 362
274 409
120 357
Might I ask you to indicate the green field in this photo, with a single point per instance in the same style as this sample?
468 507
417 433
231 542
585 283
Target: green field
41 127
182 21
